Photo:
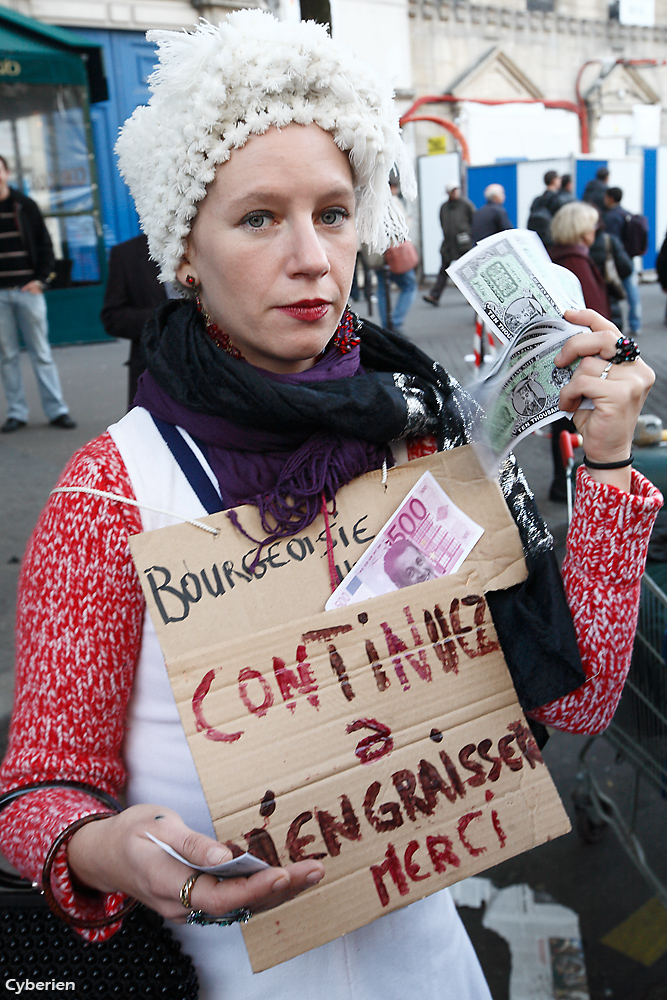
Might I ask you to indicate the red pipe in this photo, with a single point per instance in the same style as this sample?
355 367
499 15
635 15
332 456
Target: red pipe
578 110
446 124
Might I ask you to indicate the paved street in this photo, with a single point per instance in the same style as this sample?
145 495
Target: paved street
596 881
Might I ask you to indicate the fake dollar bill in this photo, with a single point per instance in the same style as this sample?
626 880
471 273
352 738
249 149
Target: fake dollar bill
523 394
562 282
510 283
513 286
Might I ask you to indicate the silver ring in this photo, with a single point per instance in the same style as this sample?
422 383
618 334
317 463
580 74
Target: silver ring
240 916
605 371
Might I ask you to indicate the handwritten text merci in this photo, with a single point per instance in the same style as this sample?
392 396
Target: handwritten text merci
316 833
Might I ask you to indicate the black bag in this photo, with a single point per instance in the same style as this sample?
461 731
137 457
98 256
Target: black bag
142 959
542 212
612 278
634 235
539 221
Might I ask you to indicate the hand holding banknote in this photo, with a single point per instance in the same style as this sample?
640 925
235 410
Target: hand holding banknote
608 426
555 355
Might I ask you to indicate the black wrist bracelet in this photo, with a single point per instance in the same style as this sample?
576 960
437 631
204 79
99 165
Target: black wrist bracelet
608 465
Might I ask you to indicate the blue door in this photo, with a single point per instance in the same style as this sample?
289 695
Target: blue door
129 59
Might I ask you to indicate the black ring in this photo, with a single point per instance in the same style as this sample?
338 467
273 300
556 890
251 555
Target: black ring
626 350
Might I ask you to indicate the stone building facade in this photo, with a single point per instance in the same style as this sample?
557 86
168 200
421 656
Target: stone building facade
579 52
576 50
553 50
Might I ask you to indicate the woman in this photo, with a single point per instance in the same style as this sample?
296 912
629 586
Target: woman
406 281
573 231
262 145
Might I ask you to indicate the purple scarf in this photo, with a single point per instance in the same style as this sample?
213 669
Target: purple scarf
285 475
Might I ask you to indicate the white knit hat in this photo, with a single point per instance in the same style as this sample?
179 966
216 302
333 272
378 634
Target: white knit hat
216 86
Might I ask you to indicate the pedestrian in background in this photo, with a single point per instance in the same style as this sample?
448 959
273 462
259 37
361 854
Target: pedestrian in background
133 293
491 217
614 221
456 215
566 192
594 191
27 265
544 207
615 266
405 281
573 231
661 267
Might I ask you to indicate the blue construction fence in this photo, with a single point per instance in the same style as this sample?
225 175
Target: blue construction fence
641 177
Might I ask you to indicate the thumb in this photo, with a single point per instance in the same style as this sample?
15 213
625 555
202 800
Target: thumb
198 849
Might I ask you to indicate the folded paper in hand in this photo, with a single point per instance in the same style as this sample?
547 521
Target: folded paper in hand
244 864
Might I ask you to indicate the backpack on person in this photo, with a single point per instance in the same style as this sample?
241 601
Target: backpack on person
634 235
539 221
541 213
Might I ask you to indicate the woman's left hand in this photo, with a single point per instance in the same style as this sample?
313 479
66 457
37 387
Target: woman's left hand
617 399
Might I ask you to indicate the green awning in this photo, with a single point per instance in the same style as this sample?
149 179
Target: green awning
32 52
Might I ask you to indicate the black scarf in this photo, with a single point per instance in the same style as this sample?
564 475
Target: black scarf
378 402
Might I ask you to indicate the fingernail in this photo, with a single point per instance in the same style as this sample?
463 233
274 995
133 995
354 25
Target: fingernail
280 884
217 855
314 878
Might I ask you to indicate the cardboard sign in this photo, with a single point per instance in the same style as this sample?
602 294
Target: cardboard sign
384 738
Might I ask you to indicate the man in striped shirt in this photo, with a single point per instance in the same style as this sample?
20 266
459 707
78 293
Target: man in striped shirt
26 267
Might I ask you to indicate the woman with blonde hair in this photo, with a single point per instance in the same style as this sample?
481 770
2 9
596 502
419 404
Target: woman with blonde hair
263 155
573 231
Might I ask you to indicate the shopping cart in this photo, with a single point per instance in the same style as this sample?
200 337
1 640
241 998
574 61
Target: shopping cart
638 731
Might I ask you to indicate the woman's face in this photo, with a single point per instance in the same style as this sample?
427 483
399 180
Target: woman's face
274 244
588 238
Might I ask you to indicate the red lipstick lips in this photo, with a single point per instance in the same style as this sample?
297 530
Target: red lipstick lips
308 310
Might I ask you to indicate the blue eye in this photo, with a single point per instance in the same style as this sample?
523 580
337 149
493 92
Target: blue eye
334 216
256 220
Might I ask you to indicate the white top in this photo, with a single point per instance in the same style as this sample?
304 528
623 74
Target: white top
421 950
